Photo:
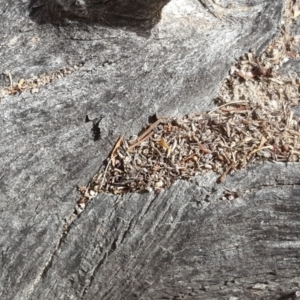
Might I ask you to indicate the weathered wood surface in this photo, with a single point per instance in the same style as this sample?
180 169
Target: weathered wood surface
183 244
187 243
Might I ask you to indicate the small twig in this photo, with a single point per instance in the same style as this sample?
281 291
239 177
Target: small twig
111 159
259 149
114 150
146 133
140 141
7 73
104 175
151 127
230 167
226 104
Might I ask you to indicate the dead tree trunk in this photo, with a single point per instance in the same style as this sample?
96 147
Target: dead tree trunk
185 243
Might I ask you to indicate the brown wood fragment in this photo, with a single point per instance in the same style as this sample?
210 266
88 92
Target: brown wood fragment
229 168
113 152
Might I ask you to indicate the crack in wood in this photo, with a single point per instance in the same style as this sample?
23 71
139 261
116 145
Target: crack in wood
10 87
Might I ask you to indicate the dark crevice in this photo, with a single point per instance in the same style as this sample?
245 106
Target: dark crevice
291 296
93 275
127 231
113 247
49 263
265 186
48 266
107 293
149 206
65 230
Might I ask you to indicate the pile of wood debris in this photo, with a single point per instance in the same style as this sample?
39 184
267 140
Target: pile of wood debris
254 121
